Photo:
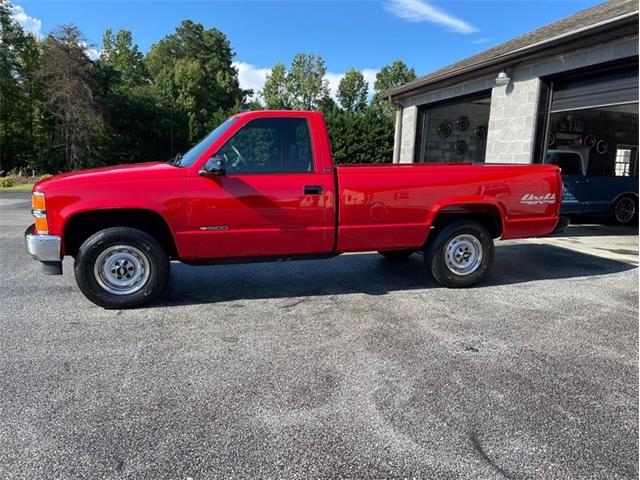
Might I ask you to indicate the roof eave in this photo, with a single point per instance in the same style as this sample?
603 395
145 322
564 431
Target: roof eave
508 59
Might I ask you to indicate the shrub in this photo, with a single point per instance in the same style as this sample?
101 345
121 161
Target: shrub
6 182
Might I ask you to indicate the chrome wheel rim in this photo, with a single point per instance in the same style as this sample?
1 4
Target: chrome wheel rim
625 210
463 254
122 269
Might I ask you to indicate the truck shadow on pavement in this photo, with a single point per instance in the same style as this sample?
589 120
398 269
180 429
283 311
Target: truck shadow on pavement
369 274
597 230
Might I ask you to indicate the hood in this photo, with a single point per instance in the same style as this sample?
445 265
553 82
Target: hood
111 174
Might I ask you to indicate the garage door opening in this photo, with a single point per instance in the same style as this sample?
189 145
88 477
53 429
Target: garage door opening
454 131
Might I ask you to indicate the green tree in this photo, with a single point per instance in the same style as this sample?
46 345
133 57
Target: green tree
119 53
192 69
67 76
359 133
390 76
360 137
302 87
139 122
306 85
353 91
11 38
20 95
32 92
275 93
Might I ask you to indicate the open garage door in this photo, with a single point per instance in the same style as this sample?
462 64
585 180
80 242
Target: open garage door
597 91
595 119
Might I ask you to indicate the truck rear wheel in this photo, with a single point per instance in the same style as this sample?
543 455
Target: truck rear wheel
396 255
625 210
121 267
460 255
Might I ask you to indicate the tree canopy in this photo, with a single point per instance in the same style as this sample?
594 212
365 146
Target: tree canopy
353 91
302 87
61 110
389 76
275 92
67 76
192 68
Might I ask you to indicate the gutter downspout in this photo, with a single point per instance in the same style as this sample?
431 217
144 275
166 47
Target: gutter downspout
397 138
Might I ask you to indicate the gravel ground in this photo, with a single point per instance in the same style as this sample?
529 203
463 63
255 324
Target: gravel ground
353 367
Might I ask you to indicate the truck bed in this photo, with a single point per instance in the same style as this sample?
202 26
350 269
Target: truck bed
393 205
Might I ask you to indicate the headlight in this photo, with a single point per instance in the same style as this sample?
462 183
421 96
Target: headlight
39 212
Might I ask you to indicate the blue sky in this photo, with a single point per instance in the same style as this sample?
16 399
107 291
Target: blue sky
364 34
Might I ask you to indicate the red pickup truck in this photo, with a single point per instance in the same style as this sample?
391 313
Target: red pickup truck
263 186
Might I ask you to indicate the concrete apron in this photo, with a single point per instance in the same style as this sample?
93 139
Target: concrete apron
605 241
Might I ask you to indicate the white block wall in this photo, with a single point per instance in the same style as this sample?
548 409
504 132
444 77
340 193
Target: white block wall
513 108
512 122
408 139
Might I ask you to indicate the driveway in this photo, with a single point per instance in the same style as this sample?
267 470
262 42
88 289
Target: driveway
352 367
607 241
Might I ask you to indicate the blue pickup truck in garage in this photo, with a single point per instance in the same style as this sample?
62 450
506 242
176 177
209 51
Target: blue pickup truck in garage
613 192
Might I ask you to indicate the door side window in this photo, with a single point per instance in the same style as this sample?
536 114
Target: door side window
269 145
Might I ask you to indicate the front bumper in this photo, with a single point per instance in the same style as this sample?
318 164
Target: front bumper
45 248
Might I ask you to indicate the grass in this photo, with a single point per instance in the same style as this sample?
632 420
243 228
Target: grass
25 187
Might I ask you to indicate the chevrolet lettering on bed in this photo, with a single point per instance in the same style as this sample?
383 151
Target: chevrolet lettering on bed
530 199
263 186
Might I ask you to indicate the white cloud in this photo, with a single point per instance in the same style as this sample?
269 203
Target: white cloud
34 26
251 77
254 77
29 24
91 52
421 11
480 41
334 80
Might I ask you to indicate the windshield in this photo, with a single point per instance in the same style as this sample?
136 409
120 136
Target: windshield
193 154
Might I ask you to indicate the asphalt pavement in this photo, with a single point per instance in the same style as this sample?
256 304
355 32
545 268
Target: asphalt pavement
353 367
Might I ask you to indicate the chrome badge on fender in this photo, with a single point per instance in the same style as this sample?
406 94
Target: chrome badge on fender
531 199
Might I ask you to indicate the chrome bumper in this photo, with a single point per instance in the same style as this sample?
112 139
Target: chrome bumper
45 248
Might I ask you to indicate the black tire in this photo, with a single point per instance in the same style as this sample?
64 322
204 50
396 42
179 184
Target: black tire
464 231
397 255
138 249
624 211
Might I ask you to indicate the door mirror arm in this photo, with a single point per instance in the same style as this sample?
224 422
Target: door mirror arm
214 167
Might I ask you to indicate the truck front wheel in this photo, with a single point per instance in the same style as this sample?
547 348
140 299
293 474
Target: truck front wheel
121 267
460 254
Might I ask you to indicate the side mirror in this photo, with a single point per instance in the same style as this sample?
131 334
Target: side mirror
215 166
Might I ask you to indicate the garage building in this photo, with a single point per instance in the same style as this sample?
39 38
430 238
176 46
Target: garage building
571 85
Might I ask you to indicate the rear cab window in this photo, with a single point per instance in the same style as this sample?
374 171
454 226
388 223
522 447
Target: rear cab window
570 163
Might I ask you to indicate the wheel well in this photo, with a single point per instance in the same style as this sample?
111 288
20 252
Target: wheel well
632 195
82 225
487 215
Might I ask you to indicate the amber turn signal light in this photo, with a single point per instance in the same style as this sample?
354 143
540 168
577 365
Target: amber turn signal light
39 211
38 201
42 226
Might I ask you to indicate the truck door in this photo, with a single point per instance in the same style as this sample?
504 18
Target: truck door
270 199
575 193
